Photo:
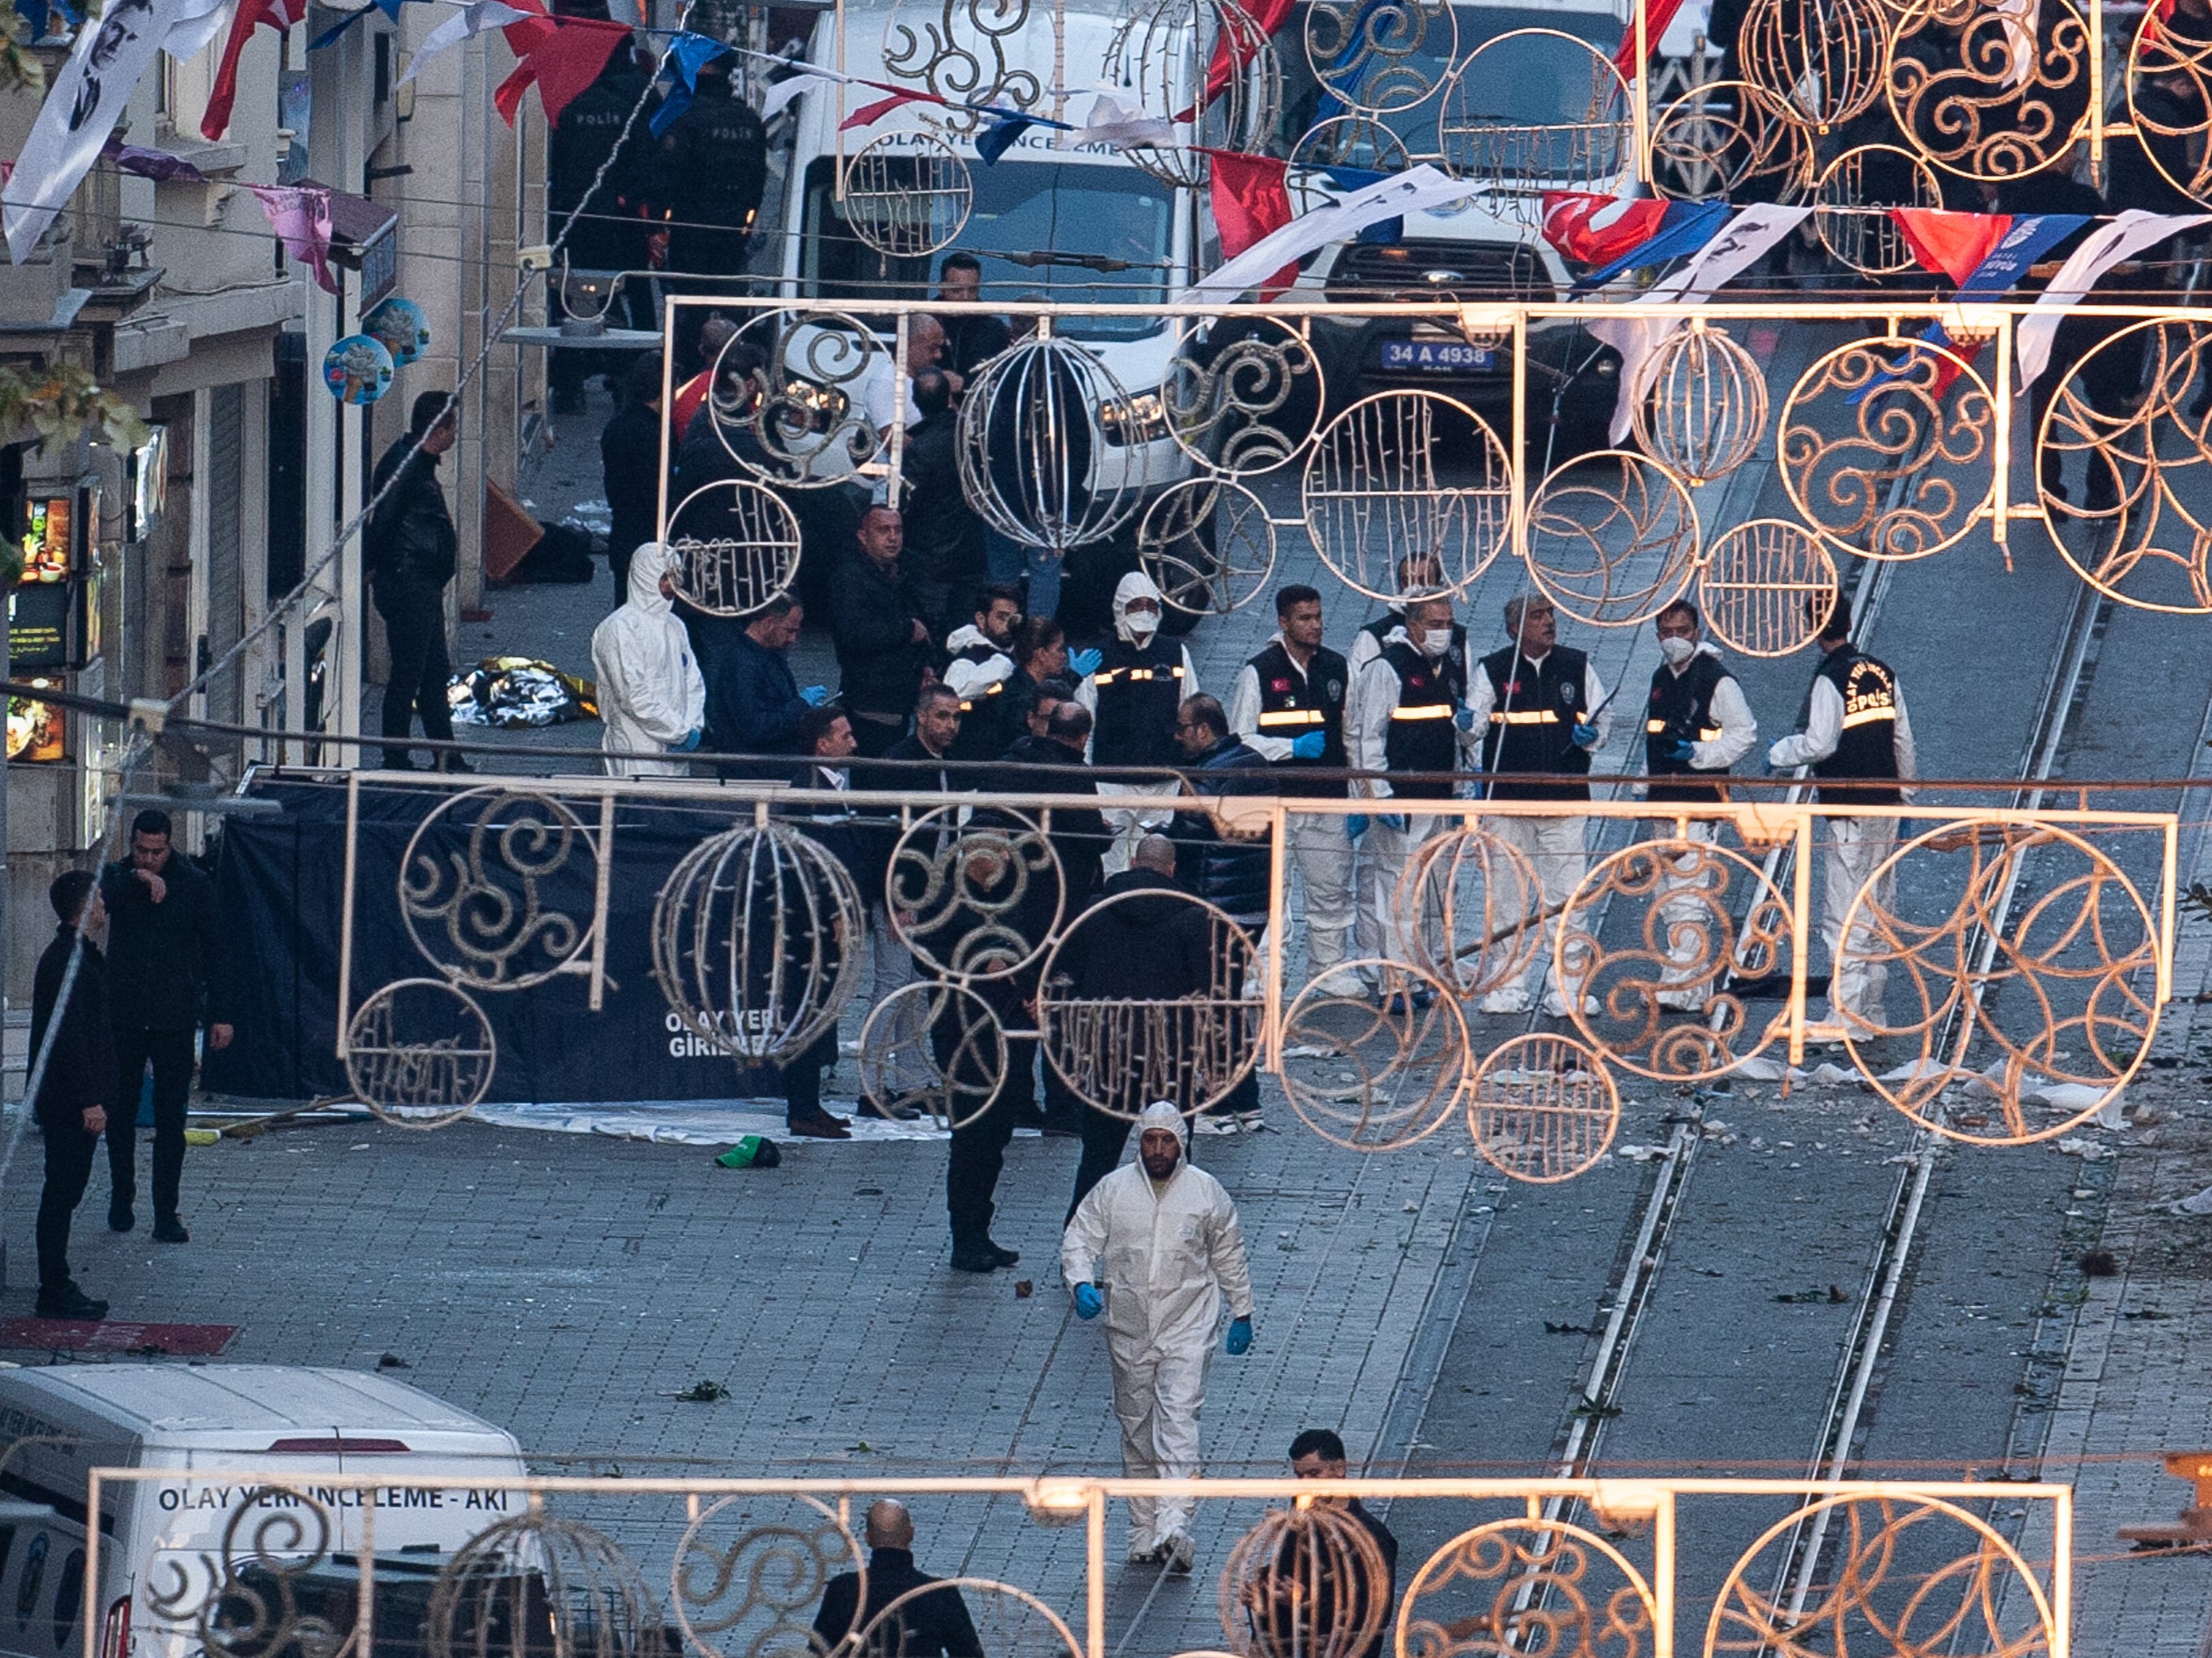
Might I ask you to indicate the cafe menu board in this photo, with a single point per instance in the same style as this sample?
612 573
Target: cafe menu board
36 731
48 549
38 620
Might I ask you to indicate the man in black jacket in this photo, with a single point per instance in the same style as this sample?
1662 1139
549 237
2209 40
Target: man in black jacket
1153 948
721 172
629 468
410 551
931 1625
944 534
165 947
825 736
1227 873
753 704
76 1082
882 644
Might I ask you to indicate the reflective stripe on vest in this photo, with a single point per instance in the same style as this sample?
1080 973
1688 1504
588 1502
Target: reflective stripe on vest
1868 717
1423 711
1287 717
1523 717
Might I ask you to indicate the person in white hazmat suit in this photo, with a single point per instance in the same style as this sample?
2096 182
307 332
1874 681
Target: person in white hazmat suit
1134 689
652 695
1167 1239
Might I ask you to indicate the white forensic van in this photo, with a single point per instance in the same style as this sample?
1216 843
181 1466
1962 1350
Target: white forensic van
162 1542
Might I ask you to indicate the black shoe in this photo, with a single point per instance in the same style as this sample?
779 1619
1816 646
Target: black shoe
1028 1116
69 1302
894 1112
819 1125
1004 1256
120 1217
981 1259
169 1229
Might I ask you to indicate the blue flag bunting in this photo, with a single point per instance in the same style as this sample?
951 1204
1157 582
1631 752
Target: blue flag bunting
992 144
1688 227
688 54
389 8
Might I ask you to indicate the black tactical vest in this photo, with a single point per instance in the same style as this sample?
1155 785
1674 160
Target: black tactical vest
1293 701
1139 692
1867 746
1681 711
1424 733
1532 723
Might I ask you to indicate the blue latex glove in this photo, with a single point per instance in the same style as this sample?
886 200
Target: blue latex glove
1084 663
1088 1303
1308 746
815 695
1464 719
690 741
1239 1339
1354 827
1682 751
1584 736
1393 820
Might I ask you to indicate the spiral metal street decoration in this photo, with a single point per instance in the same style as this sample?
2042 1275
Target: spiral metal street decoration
1729 141
1465 909
1767 588
956 51
1887 447
1900 1577
247 1602
934 1046
908 195
753 1595
974 897
1613 539
1010 1623
481 912
1359 141
1990 91
1668 1005
1395 477
735 545
1307 1582
1821 61
2128 408
1872 176
1589 145
1535 1586
1384 1074
1208 545
2068 1000
1379 57
420 1053
1053 452
1700 408
1119 1055
536 1583
2169 78
1243 394
819 407
1542 1109
757 937
1152 54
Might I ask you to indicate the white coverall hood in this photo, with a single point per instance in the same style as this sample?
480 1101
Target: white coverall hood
1135 585
1161 1113
1164 1258
652 695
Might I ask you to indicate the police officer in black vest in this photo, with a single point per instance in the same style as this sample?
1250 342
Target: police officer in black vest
1541 711
1404 718
1696 725
720 174
1418 574
1134 696
1289 705
1856 727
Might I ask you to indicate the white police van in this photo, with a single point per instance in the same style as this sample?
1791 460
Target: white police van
163 1541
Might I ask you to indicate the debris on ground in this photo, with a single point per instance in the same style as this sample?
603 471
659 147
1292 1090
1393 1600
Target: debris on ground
516 692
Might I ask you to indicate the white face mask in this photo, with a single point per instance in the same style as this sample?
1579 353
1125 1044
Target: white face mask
1142 624
1435 643
1677 650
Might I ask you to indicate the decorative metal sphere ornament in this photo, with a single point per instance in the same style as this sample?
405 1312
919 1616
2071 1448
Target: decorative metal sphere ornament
736 547
1152 54
420 1053
1054 453
908 195
536 1584
1700 407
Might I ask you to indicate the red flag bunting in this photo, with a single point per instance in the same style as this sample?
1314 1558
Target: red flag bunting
1658 16
869 114
278 15
565 55
1595 230
1235 49
1951 243
1249 204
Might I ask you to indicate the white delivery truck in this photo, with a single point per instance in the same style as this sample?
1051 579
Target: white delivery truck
162 1542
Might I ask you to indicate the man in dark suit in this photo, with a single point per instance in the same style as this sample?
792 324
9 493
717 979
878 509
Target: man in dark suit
932 1624
74 1059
